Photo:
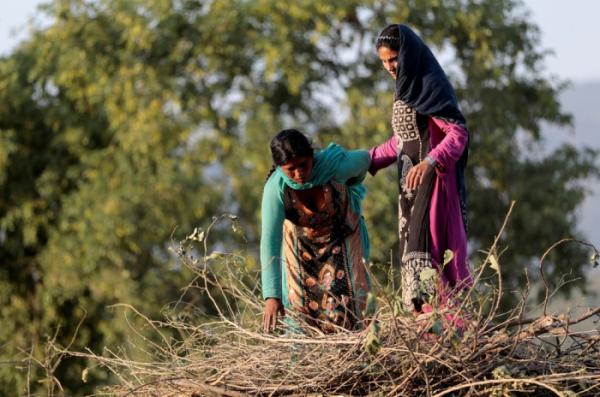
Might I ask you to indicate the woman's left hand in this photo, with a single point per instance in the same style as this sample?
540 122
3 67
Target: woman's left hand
417 173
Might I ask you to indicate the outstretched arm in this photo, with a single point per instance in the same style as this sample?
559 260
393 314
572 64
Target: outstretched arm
353 167
270 251
271 238
383 155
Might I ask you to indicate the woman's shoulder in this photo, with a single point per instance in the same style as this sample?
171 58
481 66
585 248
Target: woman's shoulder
330 149
445 124
335 149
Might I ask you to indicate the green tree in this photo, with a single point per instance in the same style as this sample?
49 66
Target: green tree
98 167
122 119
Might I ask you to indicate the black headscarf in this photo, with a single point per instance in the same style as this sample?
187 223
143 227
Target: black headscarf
422 84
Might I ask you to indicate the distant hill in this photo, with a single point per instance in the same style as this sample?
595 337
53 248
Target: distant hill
582 101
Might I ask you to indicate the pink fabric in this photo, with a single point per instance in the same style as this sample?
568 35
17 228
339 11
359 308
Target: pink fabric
446 227
384 154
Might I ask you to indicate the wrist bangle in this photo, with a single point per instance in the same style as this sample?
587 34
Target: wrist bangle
430 160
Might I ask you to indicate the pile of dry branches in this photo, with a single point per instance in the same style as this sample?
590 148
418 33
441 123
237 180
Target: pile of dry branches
467 349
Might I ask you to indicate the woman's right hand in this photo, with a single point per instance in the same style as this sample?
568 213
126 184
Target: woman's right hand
273 307
416 175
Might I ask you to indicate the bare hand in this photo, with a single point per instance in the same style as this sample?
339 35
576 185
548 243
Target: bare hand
417 173
273 307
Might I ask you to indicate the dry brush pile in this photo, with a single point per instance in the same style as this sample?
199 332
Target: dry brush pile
470 349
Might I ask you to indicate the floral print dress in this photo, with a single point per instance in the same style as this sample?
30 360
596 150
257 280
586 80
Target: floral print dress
326 275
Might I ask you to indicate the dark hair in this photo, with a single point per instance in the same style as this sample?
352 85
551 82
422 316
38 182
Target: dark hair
287 145
389 37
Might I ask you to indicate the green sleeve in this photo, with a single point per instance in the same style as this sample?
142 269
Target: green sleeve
353 167
271 238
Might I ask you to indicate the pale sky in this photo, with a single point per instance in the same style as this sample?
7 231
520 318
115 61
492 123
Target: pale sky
571 30
13 21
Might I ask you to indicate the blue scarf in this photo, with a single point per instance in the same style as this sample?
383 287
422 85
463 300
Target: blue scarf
421 81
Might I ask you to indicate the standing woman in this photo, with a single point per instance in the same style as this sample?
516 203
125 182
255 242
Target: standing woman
429 143
314 242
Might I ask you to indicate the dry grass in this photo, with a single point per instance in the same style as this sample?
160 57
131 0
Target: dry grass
491 353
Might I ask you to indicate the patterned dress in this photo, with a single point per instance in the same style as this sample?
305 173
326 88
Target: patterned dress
412 135
326 275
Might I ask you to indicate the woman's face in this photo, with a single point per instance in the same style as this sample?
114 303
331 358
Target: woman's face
389 59
298 169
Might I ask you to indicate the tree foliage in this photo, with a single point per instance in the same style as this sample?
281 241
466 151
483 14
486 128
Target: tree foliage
122 119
